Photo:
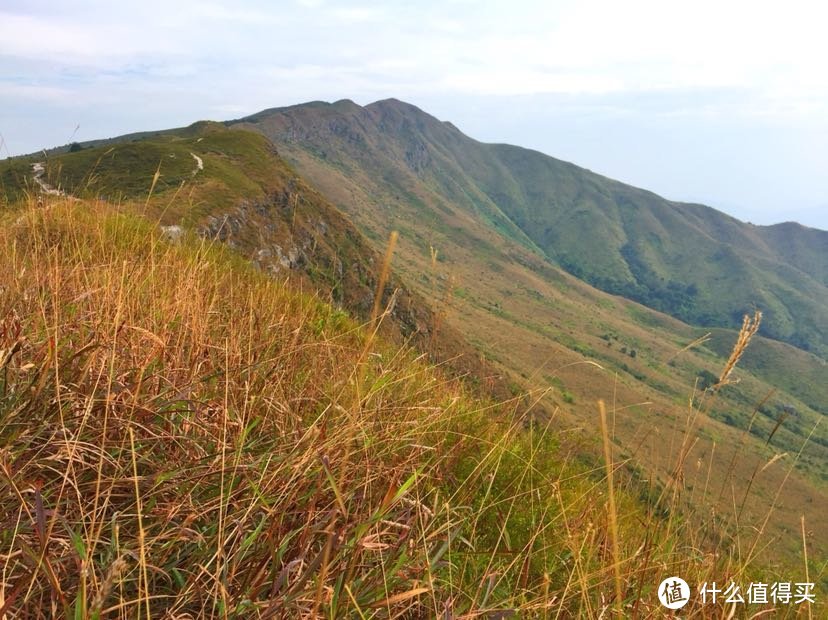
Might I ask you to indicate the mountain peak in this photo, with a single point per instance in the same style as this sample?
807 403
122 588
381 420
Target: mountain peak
346 105
400 107
395 104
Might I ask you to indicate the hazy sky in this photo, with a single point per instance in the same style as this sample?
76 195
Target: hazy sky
721 102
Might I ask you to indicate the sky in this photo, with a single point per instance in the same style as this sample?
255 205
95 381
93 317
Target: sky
722 102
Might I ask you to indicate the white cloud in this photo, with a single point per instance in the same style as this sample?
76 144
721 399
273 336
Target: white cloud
586 46
33 93
357 15
509 81
66 42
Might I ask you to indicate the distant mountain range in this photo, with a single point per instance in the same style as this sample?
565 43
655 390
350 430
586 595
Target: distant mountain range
688 260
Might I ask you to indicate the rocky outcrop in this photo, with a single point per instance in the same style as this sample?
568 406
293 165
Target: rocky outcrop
294 233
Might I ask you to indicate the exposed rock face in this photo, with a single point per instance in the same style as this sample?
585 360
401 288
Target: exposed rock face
172 233
294 233
417 156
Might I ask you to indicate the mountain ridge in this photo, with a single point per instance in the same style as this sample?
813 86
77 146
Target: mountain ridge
247 197
644 247
474 207
557 343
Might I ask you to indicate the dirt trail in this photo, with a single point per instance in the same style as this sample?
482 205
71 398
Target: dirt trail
199 163
38 170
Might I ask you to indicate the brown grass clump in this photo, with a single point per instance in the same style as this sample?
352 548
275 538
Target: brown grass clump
750 326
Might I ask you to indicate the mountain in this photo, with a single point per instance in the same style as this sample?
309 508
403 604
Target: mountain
477 241
688 260
313 206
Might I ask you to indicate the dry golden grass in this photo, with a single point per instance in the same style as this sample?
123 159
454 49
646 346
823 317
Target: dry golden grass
174 435
182 437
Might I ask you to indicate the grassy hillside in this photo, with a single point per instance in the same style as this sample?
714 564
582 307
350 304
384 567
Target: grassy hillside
730 472
232 186
796 372
689 261
389 166
183 435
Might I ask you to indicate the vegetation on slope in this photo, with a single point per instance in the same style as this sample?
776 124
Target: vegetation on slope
232 186
798 373
180 434
689 261
390 166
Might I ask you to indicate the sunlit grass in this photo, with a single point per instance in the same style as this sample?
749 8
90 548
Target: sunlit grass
181 436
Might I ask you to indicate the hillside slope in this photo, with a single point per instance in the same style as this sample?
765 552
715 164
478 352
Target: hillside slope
231 186
182 435
690 261
390 167
537 331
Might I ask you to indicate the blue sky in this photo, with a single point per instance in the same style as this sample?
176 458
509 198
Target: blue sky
724 103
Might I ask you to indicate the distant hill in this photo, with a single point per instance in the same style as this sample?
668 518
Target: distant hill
688 260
